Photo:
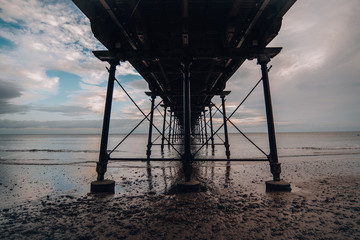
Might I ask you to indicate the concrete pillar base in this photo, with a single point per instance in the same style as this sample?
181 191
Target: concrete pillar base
104 186
277 186
190 186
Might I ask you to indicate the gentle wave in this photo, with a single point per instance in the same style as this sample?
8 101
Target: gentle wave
322 148
52 150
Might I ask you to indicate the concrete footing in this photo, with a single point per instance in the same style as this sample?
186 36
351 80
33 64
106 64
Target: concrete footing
190 186
104 186
278 186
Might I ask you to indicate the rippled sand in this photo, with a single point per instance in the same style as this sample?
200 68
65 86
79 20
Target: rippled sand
233 204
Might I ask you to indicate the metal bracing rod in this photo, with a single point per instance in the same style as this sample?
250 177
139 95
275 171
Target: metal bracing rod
136 128
163 131
103 155
205 123
213 116
215 134
142 111
148 151
211 130
245 135
234 110
225 128
132 130
268 70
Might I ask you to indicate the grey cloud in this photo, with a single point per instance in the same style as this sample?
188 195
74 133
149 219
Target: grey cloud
9 90
66 110
6 107
117 126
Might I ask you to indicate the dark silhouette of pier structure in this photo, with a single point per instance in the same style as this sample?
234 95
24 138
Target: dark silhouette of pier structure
187 50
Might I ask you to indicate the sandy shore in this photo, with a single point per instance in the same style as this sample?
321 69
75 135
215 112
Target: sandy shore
233 204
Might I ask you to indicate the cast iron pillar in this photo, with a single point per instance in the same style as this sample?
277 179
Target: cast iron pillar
206 134
201 129
187 185
211 128
226 143
149 145
187 157
171 117
102 185
103 156
275 167
173 130
163 131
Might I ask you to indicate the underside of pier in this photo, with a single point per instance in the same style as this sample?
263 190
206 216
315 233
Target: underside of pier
187 50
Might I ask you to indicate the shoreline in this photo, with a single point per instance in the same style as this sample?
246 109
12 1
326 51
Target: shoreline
322 205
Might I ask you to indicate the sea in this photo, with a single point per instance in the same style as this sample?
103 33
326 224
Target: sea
35 166
73 149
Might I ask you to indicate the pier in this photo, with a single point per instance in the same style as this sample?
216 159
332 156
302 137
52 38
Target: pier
187 51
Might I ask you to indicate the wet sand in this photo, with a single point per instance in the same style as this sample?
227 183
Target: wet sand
233 204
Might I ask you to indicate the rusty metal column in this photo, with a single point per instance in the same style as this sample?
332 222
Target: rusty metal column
201 132
273 156
148 151
171 117
104 156
187 157
226 143
211 128
205 126
163 130
173 130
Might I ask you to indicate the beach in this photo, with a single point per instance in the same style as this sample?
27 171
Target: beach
52 201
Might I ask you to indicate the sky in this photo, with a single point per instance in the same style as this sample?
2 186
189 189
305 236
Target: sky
50 82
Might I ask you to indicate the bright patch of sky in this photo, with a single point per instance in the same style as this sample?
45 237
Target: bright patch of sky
50 82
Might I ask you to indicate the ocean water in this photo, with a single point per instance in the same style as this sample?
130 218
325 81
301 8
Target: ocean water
38 166
84 149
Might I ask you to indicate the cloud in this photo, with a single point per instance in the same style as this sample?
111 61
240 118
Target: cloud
50 35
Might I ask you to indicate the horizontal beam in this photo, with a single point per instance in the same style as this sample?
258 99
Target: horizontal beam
195 160
233 53
205 94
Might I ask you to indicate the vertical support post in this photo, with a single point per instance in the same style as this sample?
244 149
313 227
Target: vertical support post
226 143
173 130
163 130
101 166
211 128
187 157
201 129
205 126
148 151
273 156
171 117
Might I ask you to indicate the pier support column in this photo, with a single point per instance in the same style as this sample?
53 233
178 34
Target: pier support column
205 126
211 128
149 145
187 157
277 184
187 185
226 143
173 131
201 132
102 185
163 131
171 117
